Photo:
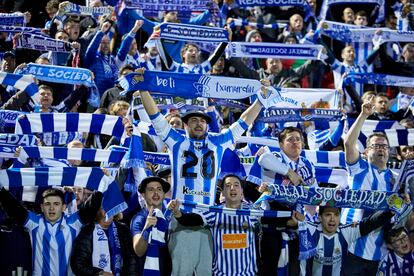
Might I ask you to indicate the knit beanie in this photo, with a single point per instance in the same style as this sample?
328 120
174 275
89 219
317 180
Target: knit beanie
250 34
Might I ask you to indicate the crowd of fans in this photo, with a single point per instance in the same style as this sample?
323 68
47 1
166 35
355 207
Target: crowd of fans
44 237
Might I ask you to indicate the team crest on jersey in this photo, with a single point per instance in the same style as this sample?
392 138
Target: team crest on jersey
245 225
338 250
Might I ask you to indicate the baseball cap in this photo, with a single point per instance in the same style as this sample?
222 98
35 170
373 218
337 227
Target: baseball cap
195 113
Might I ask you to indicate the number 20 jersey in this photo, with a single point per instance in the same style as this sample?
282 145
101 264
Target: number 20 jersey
195 164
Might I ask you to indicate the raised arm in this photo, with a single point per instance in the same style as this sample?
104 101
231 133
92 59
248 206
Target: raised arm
351 152
87 212
13 207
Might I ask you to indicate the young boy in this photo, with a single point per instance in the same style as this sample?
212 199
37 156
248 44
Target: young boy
400 258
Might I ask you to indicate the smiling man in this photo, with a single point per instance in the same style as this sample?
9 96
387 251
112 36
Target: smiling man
370 174
400 257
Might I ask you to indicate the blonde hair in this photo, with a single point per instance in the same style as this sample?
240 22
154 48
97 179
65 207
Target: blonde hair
117 106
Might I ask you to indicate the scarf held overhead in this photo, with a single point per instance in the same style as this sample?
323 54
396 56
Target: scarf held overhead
71 122
90 178
42 43
362 199
59 74
275 50
196 33
269 3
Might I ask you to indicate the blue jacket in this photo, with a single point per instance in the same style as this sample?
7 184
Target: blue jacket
103 66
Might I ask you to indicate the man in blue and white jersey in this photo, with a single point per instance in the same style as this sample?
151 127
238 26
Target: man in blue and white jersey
51 233
234 236
286 167
196 158
371 174
332 239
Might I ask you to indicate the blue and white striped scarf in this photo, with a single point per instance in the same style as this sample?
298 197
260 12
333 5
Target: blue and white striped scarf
244 22
189 206
155 240
275 50
8 119
332 197
59 74
135 154
16 29
381 79
12 19
90 178
85 154
76 122
42 43
162 5
71 8
380 4
189 32
277 115
347 32
269 3
22 82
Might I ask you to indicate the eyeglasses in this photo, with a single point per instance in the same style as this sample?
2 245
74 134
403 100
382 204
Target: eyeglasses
399 241
294 139
379 146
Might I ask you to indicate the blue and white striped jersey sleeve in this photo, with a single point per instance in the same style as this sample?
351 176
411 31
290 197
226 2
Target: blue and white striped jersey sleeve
350 232
32 221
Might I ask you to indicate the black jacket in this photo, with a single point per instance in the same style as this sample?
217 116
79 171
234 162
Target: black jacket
81 256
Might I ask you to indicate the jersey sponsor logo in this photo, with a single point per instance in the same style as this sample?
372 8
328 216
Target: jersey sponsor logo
187 191
234 241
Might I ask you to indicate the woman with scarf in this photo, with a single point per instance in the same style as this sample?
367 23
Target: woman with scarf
103 248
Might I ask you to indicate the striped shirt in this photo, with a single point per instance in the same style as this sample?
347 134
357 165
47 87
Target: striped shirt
393 264
52 244
234 243
195 163
303 167
202 68
331 250
366 176
339 69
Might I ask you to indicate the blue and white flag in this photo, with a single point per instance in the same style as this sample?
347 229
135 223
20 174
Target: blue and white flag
71 8
22 82
42 43
59 74
269 3
8 119
85 154
192 33
190 85
12 19
76 122
275 50
90 178
16 29
381 79
243 22
276 115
